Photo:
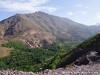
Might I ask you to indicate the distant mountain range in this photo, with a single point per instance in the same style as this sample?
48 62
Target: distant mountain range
39 29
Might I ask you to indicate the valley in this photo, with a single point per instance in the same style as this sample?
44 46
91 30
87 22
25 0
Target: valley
38 42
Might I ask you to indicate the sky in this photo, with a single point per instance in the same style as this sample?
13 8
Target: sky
83 11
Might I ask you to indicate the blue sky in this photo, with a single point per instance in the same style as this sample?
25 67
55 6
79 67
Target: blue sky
82 11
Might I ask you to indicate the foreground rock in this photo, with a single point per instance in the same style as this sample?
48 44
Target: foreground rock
76 70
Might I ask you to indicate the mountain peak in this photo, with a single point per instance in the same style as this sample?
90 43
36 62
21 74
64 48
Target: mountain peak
39 12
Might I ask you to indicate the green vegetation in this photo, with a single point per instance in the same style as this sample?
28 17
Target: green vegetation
58 58
87 42
47 57
91 41
32 59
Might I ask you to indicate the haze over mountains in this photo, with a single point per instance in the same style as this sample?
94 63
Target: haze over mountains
39 29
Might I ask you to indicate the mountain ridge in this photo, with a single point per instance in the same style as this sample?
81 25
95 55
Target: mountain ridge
42 26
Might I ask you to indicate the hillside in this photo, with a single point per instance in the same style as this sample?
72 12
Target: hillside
21 57
39 29
86 53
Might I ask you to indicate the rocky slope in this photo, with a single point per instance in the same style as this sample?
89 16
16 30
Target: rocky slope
87 52
38 29
75 70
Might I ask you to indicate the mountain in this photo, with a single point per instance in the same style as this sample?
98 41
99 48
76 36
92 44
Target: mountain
86 53
94 28
39 29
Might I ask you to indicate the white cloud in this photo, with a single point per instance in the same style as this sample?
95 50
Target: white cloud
98 15
83 12
86 7
80 5
70 13
77 14
95 18
25 5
